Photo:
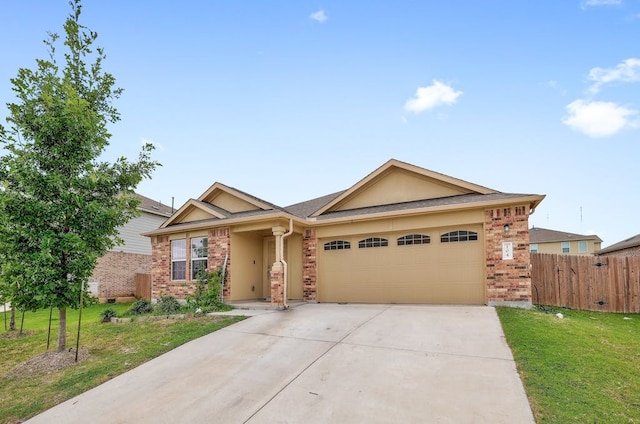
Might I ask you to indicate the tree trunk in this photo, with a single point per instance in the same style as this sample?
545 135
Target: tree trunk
12 321
62 330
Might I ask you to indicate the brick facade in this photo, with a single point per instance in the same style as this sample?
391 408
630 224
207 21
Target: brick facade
508 280
277 285
309 266
219 249
219 246
115 273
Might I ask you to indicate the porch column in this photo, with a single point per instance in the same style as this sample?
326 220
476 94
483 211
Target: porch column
277 270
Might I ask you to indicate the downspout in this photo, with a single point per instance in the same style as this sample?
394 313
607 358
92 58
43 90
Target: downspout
285 265
223 274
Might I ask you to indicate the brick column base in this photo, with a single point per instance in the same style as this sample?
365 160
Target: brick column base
277 284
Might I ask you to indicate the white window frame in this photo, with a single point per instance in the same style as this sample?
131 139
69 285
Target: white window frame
197 260
178 255
533 248
583 246
565 245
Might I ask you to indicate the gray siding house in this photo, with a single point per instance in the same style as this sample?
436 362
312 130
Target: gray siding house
115 274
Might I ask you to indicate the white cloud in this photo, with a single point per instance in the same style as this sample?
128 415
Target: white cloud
626 71
431 96
593 3
319 16
598 119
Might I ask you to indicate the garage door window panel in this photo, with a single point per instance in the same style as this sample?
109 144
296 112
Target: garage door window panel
373 242
458 236
413 239
337 245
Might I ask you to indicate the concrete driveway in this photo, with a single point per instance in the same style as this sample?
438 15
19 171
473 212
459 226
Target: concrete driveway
323 363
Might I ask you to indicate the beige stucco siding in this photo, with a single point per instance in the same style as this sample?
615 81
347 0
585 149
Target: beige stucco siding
294 261
399 186
427 273
402 224
556 247
232 204
246 266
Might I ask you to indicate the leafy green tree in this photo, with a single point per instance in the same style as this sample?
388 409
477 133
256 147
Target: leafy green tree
60 204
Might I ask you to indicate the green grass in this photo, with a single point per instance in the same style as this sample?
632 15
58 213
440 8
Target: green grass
583 368
114 349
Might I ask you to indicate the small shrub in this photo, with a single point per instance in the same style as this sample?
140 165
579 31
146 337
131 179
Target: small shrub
206 297
140 307
107 314
167 304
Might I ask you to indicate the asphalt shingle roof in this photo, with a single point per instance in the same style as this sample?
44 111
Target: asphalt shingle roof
624 244
544 235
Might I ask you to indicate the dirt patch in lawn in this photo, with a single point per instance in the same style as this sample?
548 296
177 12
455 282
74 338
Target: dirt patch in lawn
48 362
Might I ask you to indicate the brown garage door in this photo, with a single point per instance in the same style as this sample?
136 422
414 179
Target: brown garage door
443 265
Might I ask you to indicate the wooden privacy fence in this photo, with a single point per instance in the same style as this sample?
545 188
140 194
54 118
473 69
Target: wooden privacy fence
595 283
143 286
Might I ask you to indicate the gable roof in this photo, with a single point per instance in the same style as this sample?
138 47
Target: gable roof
395 188
219 202
544 235
153 207
624 244
434 185
304 209
218 188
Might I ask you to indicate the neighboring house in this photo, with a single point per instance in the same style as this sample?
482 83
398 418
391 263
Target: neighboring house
403 234
114 275
628 247
550 241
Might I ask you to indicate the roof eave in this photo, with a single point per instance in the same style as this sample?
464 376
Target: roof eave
201 225
532 200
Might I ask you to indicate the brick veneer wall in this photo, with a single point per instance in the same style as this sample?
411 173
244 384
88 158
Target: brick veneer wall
309 269
115 273
219 246
277 287
508 281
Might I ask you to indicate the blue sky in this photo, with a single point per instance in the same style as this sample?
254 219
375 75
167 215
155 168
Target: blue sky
291 100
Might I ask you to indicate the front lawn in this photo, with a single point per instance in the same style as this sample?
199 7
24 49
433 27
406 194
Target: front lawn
107 350
582 368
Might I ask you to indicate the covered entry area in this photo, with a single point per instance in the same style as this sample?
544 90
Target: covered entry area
439 265
252 259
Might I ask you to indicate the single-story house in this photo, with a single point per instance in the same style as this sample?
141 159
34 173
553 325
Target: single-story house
402 234
628 247
559 242
115 273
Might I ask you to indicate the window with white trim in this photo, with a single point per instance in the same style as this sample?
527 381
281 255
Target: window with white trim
411 239
373 242
199 254
582 246
178 259
533 248
337 245
460 235
566 247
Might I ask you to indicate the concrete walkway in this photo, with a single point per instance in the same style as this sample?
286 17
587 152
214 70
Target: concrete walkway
323 363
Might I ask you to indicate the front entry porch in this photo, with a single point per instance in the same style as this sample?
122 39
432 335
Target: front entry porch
257 268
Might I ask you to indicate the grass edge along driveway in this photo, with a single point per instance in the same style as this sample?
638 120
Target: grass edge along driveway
581 368
113 349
